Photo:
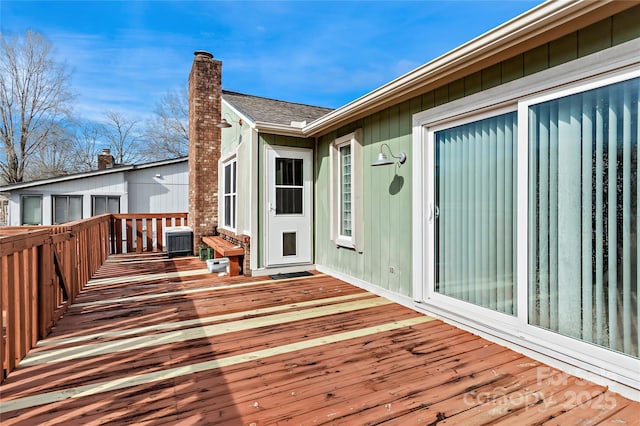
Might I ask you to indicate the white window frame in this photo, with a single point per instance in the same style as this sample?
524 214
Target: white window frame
54 201
355 240
616 64
106 199
443 301
231 161
22 197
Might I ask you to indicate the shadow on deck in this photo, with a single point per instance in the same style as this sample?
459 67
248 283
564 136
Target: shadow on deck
152 340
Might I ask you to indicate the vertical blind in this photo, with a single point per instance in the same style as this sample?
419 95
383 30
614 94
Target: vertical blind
475 184
32 210
583 216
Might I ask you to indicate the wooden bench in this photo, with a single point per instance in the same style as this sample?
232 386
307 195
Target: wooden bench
223 248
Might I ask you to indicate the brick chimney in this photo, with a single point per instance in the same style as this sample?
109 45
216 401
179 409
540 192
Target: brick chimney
205 93
105 159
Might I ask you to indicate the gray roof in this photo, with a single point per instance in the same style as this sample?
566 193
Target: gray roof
73 176
273 111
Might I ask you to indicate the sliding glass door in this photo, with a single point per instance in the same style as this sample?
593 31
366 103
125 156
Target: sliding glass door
475 182
583 216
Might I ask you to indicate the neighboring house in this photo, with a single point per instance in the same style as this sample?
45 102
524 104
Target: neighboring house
4 211
159 187
515 215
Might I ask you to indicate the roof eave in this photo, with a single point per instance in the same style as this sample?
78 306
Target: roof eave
92 173
245 117
544 19
57 179
279 129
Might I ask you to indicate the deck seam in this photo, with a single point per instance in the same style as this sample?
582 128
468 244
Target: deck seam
183 335
199 321
175 372
187 292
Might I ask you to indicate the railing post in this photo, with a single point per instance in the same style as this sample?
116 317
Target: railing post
6 297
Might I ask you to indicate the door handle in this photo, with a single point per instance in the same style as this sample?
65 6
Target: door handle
434 212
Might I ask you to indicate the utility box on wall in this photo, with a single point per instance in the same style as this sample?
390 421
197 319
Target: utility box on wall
178 240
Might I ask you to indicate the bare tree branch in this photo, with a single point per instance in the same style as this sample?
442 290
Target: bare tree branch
34 98
168 132
53 158
124 138
86 146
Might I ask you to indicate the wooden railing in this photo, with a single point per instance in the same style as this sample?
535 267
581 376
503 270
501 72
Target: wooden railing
42 271
44 268
142 232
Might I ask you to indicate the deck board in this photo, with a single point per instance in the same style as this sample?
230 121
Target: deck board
159 341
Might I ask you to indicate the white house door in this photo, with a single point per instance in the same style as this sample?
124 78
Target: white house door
288 195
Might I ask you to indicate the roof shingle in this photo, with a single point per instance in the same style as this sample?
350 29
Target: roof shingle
273 111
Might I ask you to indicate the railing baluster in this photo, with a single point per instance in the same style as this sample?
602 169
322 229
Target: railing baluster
129 226
31 296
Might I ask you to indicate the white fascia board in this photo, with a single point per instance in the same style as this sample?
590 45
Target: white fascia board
118 169
541 19
160 163
245 118
280 129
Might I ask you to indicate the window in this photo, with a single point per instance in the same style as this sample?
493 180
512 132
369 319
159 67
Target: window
583 219
4 212
344 161
346 191
32 210
229 195
102 204
66 208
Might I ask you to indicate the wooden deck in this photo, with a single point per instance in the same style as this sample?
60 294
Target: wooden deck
158 341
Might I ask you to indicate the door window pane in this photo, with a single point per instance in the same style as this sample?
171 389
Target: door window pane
32 210
289 200
289 186
583 223
475 196
289 171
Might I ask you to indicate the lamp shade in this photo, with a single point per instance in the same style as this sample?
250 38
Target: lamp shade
382 160
224 124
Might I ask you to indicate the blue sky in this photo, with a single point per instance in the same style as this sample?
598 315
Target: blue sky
125 55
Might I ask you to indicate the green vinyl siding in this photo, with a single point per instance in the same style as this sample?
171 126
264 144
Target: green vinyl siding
386 258
594 38
235 139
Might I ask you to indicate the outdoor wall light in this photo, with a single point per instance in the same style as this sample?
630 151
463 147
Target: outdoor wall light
224 124
383 160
